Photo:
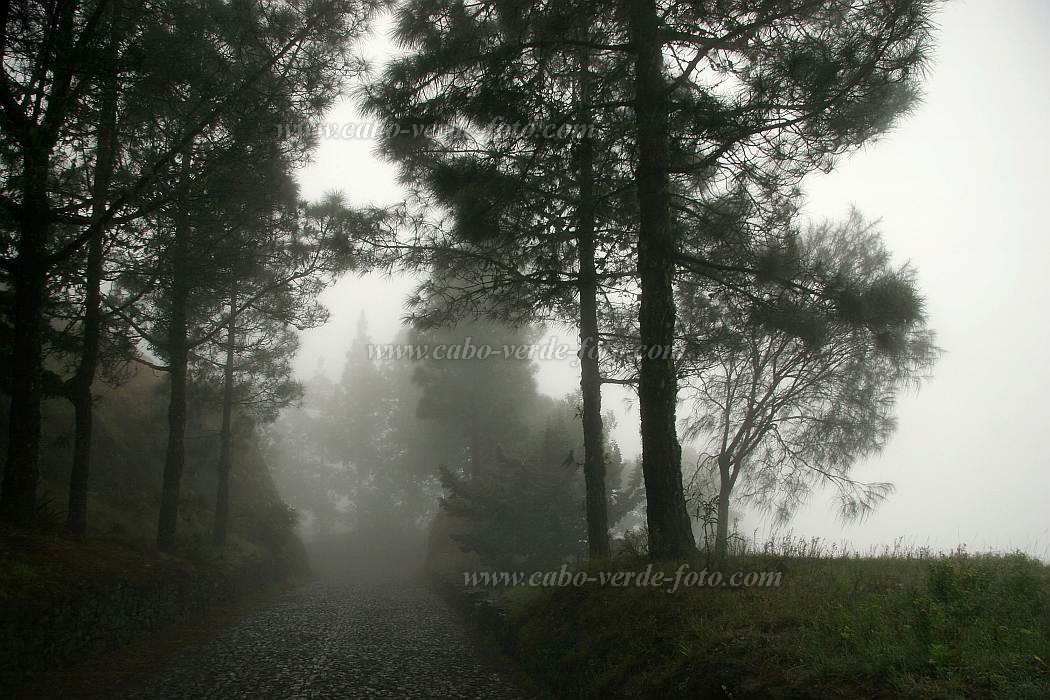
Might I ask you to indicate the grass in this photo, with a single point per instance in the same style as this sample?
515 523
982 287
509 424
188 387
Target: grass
119 546
901 623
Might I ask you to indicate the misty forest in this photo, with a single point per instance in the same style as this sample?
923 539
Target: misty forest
541 389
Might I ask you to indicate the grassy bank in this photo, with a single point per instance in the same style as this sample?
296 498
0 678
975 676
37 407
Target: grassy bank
917 626
48 564
129 443
65 599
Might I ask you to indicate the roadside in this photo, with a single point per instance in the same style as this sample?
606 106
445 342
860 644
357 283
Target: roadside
922 626
80 614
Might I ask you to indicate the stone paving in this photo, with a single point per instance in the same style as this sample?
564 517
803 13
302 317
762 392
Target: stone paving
336 640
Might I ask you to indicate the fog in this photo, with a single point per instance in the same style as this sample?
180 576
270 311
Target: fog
273 279
960 188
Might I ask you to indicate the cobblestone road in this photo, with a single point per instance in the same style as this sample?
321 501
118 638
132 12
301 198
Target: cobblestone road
336 640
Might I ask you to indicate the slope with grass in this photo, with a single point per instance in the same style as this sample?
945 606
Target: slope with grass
918 626
64 598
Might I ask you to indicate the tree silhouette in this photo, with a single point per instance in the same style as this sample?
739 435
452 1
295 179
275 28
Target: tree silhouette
788 395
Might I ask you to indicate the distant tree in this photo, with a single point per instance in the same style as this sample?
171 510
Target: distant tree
306 467
361 410
355 455
788 395
417 446
527 510
488 402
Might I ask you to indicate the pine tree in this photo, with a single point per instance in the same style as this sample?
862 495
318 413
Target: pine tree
734 96
792 395
533 232
44 108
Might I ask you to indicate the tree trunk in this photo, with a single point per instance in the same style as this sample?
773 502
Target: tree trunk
670 533
22 468
222 498
178 354
80 395
590 370
724 492
37 139
175 455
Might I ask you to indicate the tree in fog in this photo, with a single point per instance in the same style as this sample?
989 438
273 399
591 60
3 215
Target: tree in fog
716 96
360 414
59 83
306 468
788 395
759 93
515 492
203 206
488 402
521 184
273 265
178 308
93 325
494 419
525 508
355 456
54 58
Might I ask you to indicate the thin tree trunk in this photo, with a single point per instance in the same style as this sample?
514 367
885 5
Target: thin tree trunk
175 455
670 533
80 395
22 468
724 492
178 352
590 371
222 498
38 137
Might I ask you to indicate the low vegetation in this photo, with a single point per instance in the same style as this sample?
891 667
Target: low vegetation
904 623
124 503
65 599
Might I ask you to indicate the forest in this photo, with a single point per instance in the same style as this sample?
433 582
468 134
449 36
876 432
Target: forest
180 497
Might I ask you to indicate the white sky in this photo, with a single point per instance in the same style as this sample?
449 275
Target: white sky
962 187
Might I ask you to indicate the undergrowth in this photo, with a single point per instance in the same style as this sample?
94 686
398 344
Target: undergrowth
903 622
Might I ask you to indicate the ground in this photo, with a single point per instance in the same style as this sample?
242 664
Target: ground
335 639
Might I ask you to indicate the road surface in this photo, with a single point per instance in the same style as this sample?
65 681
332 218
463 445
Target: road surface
335 639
